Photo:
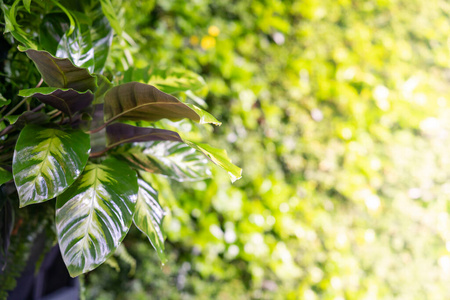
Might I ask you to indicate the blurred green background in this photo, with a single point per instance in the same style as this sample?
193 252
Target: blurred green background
338 113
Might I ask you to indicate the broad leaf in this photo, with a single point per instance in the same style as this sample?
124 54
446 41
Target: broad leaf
94 214
78 47
47 161
148 217
123 133
28 117
219 157
136 101
60 72
68 101
101 36
173 159
5 176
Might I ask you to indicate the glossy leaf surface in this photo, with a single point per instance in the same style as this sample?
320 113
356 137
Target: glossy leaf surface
123 133
61 73
173 159
68 101
47 161
94 214
218 157
148 217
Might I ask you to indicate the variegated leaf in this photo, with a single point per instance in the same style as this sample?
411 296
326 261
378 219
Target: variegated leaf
95 213
148 217
47 161
173 159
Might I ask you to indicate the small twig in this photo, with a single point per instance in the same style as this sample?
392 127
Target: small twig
20 103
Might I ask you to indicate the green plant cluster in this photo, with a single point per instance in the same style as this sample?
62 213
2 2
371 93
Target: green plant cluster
338 113
85 143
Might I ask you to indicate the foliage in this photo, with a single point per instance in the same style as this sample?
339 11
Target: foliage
338 113
64 141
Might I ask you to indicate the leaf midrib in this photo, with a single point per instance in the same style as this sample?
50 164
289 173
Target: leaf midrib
148 104
45 158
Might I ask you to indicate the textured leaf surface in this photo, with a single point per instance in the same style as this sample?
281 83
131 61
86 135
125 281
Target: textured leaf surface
68 101
173 159
95 213
5 176
138 101
148 217
47 161
220 158
60 72
123 133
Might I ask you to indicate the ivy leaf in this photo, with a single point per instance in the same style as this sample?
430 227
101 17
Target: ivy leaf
5 176
60 72
173 159
123 133
137 101
148 217
95 213
47 161
218 157
68 101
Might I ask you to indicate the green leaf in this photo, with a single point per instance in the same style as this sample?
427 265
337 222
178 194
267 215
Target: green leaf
47 161
110 13
218 157
61 73
205 117
94 214
168 80
103 86
5 176
27 5
68 101
78 47
4 101
136 101
12 27
173 159
148 217
51 30
101 36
